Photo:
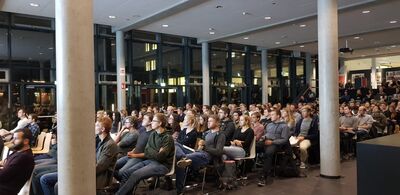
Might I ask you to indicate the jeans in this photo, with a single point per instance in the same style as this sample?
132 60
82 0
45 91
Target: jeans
37 173
181 151
48 181
124 167
141 170
269 152
199 159
48 161
234 152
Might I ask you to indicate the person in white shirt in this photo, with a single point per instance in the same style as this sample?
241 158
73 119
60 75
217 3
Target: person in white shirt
22 123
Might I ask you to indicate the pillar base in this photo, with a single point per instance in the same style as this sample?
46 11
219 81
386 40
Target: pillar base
330 177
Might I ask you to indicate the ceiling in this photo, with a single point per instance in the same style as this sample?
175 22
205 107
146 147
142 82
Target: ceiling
291 24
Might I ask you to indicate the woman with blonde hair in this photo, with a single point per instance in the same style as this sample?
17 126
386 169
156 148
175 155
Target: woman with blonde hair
288 118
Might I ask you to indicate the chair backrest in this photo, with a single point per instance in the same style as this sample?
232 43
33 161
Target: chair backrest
40 141
253 148
173 165
47 142
5 152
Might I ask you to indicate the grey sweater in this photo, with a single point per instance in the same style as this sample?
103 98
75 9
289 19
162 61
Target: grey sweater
278 132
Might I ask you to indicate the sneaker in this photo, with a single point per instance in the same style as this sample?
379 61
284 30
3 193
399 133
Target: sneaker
183 163
261 182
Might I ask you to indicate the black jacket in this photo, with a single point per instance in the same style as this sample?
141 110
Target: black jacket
313 133
228 128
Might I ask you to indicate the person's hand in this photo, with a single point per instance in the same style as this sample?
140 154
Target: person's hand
161 149
131 155
238 143
232 143
201 143
268 142
300 138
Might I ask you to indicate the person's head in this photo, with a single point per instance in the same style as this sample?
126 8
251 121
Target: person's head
223 113
32 118
124 113
21 113
275 115
362 110
129 122
244 121
103 125
306 112
190 121
203 119
213 122
135 113
21 139
179 110
383 106
375 109
392 108
147 118
347 110
284 113
236 115
206 108
172 118
170 110
191 112
159 122
189 106
156 109
255 117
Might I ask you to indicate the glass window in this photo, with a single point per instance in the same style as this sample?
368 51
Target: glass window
172 65
218 67
255 60
32 49
140 35
3 18
238 68
32 22
106 54
144 67
3 47
172 39
35 75
196 69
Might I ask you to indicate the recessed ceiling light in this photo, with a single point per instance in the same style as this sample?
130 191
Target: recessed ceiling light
112 17
365 11
34 4
301 46
356 37
393 22
212 32
302 25
246 38
277 43
394 46
268 18
165 25
210 29
50 48
245 13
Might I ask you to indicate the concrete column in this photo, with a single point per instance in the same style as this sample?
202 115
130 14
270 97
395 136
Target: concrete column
206 73
264 75
121 83
75 97
328 87
374 81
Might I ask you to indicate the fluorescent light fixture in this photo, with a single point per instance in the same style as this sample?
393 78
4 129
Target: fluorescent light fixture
211 32
232 85
356 37
246 38
301 46
277 43
112 17
210 29
34 4
162 84
365 11
268 18
50 48
165 25
302 25
394 46
393 22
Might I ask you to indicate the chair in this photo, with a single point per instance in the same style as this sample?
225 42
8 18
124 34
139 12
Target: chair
26 188
40 141
277 154
46 145
251 156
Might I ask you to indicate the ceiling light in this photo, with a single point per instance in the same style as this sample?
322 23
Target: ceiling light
356 37
41 53
112 17
246 38
245 13
268 18
277 43
210 29
394 46
50 48
301 46
365 11
34 4
212 32
302 25
219 6
165 25
393 22
243 54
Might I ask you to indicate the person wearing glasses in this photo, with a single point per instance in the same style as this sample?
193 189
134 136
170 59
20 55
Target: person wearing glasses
126 139
159 153
22 123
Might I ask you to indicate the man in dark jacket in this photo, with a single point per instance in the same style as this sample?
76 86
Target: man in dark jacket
276 137
306 133
227 125
17 168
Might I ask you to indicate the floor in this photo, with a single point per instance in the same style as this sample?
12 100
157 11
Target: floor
311 185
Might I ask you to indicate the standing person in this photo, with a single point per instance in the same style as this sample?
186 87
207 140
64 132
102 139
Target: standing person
275 138
18 167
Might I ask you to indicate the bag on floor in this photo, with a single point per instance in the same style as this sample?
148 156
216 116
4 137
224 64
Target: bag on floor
287 166
228 177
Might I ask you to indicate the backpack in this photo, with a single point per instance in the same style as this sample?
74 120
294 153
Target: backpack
228 177
287 166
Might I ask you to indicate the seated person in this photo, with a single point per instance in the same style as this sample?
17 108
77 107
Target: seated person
256 125
188 136
364 123
34 128
124 164
22 123
227 125
210 150
275 138
380 121
347 126
126 139
17 168
159 153
306 133
242 139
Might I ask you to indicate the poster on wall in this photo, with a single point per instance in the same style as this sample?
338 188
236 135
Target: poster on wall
392 76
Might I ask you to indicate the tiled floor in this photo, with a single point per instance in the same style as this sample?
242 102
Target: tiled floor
311 185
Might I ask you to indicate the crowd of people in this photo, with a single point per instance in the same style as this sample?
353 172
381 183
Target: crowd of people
143 144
